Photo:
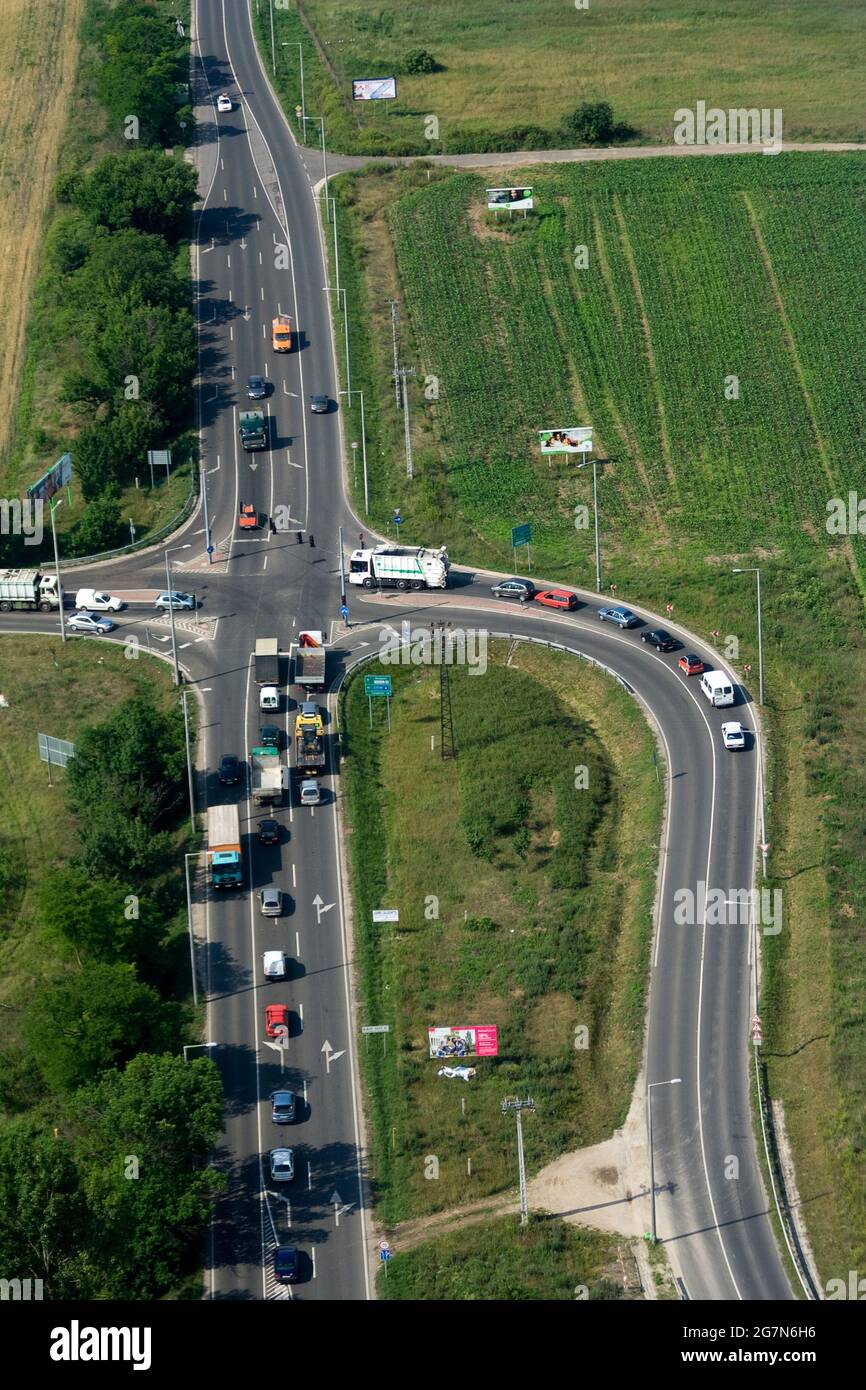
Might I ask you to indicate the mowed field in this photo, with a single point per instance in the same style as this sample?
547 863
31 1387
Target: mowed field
506 63
42 46
703 316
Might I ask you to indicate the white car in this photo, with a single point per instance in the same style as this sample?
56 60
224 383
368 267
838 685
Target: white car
224 102
733 735
282 1165
269 697
100 602
310 792
274 965
90 622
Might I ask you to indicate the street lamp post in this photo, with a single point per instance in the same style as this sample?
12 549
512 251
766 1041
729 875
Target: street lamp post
757 573
674 1081
349 394
186 859
203 486
287 43
336 289
188 762
171 608
595 515
321 121
191 1047
57 567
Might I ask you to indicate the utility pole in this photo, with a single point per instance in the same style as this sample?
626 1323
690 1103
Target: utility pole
446 718
402 374
57 568
393 304
757 574
518 1106
203 485
342 576
595 517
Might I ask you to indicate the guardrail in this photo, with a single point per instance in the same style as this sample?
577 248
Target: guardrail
151 538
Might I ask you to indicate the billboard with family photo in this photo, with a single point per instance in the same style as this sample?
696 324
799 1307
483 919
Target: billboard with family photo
572 441
474 1040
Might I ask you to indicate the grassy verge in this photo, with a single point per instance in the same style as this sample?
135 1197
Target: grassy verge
525 902
646 61
57 689
503 1261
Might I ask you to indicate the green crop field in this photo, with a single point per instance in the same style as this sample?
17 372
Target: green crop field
503 66
704 317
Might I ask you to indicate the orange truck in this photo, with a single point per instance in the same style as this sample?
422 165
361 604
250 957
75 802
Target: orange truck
281 333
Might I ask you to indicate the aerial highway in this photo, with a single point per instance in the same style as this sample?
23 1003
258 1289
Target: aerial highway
256 199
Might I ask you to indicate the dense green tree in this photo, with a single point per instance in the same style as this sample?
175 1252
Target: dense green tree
146 348
101 526
143 59
150 1210
43 1213
84 916
99 1017
591 123
141 188
125 268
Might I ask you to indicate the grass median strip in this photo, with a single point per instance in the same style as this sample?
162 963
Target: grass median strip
523 872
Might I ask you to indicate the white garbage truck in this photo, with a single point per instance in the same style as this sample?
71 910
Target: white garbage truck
400 567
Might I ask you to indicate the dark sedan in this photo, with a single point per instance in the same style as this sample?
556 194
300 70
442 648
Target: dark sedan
229 771
661 640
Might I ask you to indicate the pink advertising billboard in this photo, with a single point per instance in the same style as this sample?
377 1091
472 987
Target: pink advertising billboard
478 1040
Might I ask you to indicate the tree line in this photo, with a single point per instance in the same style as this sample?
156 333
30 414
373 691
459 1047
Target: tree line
105 1188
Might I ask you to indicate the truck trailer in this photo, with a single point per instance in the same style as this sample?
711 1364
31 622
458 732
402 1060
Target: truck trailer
253 430
28 589
224 846
269 777
400 567
267 659
310 661
309 744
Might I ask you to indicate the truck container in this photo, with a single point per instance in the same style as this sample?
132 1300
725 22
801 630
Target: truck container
309 744
400 567
224 846
310 660
267 660
28 589
269 777
253 430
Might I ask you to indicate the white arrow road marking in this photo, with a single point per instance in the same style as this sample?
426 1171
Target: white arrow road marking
246 312
340 1207
330 1055
253 464
320 907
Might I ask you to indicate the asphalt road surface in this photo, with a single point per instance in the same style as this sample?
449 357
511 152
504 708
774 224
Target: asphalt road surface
259 252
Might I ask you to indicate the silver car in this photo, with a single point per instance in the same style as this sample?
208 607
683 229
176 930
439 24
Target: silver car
310 792
174 600
271 900
282 1165
90 622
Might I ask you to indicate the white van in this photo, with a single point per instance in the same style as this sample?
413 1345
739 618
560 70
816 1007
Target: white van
718 688
269 697
97 601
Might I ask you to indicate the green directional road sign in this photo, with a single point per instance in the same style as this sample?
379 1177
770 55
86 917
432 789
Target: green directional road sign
377 685
521 535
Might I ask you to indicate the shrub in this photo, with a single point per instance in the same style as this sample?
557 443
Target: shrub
419 60
591 123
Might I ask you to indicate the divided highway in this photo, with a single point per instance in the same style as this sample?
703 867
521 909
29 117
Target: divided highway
257 201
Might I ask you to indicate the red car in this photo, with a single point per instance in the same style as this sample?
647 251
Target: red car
557 598
691 664
276 1018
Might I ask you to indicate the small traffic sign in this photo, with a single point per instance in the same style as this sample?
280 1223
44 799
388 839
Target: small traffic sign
384 1256
384 1244
344 612
397 517
211 549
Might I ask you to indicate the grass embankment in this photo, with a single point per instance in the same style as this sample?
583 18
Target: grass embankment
73 133
525 902
59 690
503 1261
731 411
646 60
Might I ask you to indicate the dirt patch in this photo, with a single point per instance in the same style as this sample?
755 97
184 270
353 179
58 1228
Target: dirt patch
481 228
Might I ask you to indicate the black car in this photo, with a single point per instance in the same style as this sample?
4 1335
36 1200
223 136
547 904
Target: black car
319 405
286 1264
269 832
256 388
658 638
229 770
269 736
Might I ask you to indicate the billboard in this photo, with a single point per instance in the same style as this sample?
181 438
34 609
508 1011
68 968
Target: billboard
509 198
478 1040
571 441
374 88
57 477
